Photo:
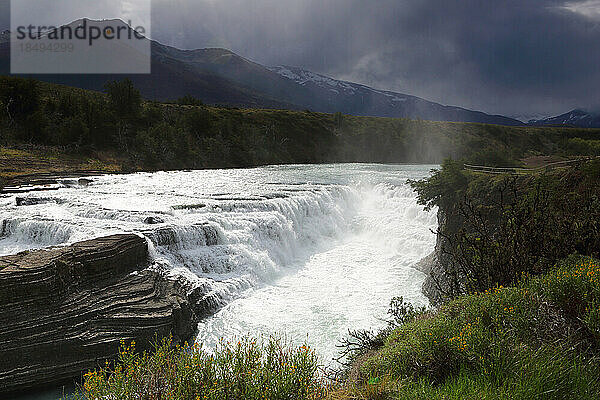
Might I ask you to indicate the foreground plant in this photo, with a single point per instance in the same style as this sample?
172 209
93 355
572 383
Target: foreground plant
244 370
540 339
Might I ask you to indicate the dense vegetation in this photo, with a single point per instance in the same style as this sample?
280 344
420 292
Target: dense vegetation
537 340
497 227
247 369
120 125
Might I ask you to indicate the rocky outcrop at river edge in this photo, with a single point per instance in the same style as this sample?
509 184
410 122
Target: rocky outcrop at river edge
437 283
65 310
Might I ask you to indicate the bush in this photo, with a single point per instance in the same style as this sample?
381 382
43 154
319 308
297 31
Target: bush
198 122
160 146
574 287
445 188
244 370
124 99
72 132
189 100
21 97
577 146
526 341
493 157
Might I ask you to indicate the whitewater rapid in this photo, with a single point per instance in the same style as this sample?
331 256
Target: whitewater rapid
305 251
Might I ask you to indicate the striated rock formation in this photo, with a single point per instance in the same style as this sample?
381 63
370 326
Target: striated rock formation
65 310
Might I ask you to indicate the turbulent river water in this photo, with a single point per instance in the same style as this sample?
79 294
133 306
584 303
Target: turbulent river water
308 251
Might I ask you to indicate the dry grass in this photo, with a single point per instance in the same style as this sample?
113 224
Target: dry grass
21 164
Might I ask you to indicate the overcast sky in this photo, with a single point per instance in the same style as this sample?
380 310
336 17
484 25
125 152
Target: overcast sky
512 57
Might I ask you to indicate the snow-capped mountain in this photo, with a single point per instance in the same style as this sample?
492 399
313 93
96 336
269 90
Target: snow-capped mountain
352 98
575 118
529 117
304 78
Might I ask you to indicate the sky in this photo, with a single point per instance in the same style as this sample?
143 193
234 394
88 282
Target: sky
524 58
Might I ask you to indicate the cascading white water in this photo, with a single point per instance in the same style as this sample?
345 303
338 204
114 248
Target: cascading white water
307 251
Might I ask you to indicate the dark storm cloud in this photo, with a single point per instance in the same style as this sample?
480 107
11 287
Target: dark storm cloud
511 57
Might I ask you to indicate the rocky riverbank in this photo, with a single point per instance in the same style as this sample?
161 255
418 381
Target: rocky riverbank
65 310
436 283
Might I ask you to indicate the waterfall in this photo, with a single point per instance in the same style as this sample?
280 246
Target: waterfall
254 244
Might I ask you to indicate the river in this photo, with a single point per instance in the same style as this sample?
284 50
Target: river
306 251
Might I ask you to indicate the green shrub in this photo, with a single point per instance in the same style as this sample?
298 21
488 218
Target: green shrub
445 188
124 99
574 287
244 370
577 146
536 340
20 96
496 227
198 122
493 157
189 100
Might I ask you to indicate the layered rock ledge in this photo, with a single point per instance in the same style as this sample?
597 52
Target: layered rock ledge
65 310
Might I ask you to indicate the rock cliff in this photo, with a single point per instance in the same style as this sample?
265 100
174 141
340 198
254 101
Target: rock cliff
65 310
439 281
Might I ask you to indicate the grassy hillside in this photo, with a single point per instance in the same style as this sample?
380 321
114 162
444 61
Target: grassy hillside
536 340
140 135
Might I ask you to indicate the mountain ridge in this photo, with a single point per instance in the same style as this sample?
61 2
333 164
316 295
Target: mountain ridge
577 118
357 99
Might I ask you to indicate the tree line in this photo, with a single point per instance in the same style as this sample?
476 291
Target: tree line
186 133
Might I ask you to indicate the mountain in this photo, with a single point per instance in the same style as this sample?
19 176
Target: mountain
575 118
356 99
219 76
307 90
171 78
528 117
